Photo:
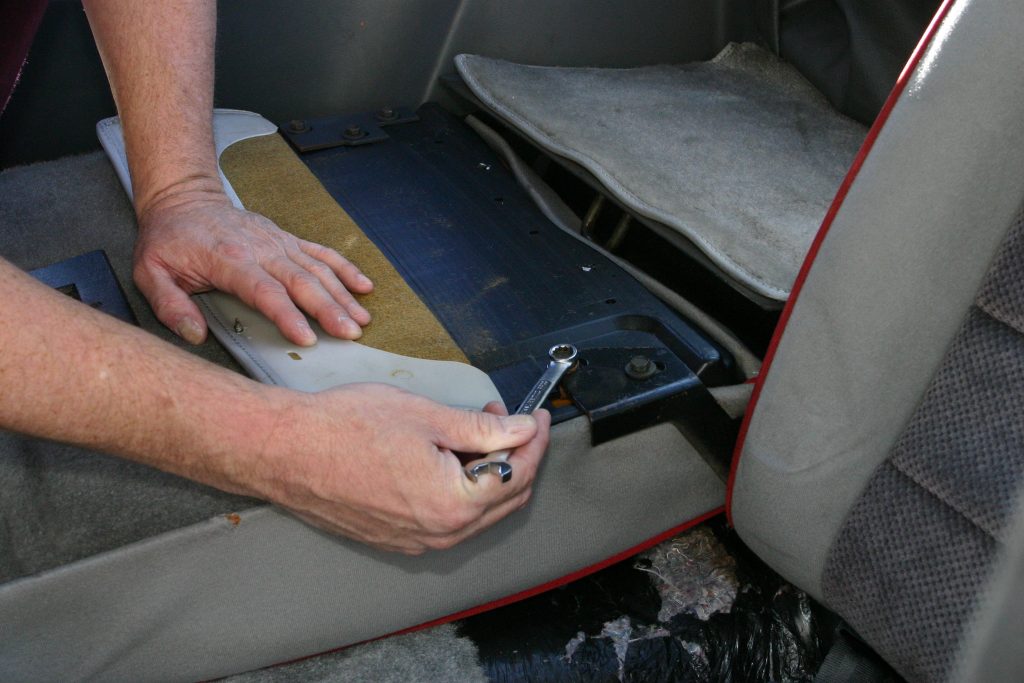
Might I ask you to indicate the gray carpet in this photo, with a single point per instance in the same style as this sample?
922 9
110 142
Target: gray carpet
740 155
430 656
59 504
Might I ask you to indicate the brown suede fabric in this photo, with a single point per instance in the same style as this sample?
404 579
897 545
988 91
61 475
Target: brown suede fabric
271 180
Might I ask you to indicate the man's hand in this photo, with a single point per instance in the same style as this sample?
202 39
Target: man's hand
376 464
159 60
191 243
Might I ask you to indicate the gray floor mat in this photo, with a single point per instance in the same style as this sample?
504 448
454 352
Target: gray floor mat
740 155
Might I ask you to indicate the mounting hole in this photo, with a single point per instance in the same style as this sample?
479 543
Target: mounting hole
499 200
584 362
661 366
610 301
535 232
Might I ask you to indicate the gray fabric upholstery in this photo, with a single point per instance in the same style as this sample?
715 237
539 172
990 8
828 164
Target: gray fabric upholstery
889 290
965 443
438 654
740 154
991 651
270 589
909 561
59 503
905 573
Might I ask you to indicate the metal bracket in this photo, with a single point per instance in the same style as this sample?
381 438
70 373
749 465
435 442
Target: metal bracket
308 135
90 279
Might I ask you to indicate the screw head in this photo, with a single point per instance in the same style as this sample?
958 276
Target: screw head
387 114
298 126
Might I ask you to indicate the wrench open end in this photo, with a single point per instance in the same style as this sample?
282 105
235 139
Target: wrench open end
496 467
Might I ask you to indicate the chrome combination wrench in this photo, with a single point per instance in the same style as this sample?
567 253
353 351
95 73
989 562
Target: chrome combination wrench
563 359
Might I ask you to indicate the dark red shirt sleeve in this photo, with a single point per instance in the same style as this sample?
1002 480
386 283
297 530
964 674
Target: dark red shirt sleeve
19 21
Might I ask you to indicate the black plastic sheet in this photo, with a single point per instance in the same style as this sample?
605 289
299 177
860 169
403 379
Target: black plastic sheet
732 619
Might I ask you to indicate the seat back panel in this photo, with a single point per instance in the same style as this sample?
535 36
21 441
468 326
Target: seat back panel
891 285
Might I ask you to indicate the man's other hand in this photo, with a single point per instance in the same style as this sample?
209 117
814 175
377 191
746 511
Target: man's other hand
194 244
378 465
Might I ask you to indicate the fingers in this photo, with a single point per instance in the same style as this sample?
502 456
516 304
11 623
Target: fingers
171 304
481 432
208 244
524 460
332 293
280 286
345 270
496 500
260 290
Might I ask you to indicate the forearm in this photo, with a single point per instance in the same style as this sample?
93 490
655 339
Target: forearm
366 461
159 60
72 374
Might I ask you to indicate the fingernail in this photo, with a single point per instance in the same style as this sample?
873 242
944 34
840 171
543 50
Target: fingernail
518 423
189 330
349 328
363 280
353 329
308 337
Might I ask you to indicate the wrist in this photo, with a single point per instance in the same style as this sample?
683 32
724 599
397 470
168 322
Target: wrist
183 192
265 441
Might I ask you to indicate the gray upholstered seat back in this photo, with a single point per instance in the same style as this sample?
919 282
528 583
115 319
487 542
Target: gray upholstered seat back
885 451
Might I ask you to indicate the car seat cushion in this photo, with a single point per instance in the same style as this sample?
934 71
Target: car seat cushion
739 154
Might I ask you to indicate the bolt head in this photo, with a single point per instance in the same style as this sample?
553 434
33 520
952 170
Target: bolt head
641 367
298 126
354 131
563 353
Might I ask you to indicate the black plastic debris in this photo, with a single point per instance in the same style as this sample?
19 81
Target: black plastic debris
698 608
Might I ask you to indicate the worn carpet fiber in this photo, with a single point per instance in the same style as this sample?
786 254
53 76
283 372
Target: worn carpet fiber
740 155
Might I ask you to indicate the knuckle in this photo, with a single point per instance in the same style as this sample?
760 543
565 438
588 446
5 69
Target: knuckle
267 287
477 425
302 280
320 269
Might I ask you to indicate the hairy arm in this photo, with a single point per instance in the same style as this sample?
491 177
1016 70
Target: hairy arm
159 60
367 461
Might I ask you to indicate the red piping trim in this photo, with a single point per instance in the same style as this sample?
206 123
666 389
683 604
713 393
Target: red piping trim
837 202
530 592
568 578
